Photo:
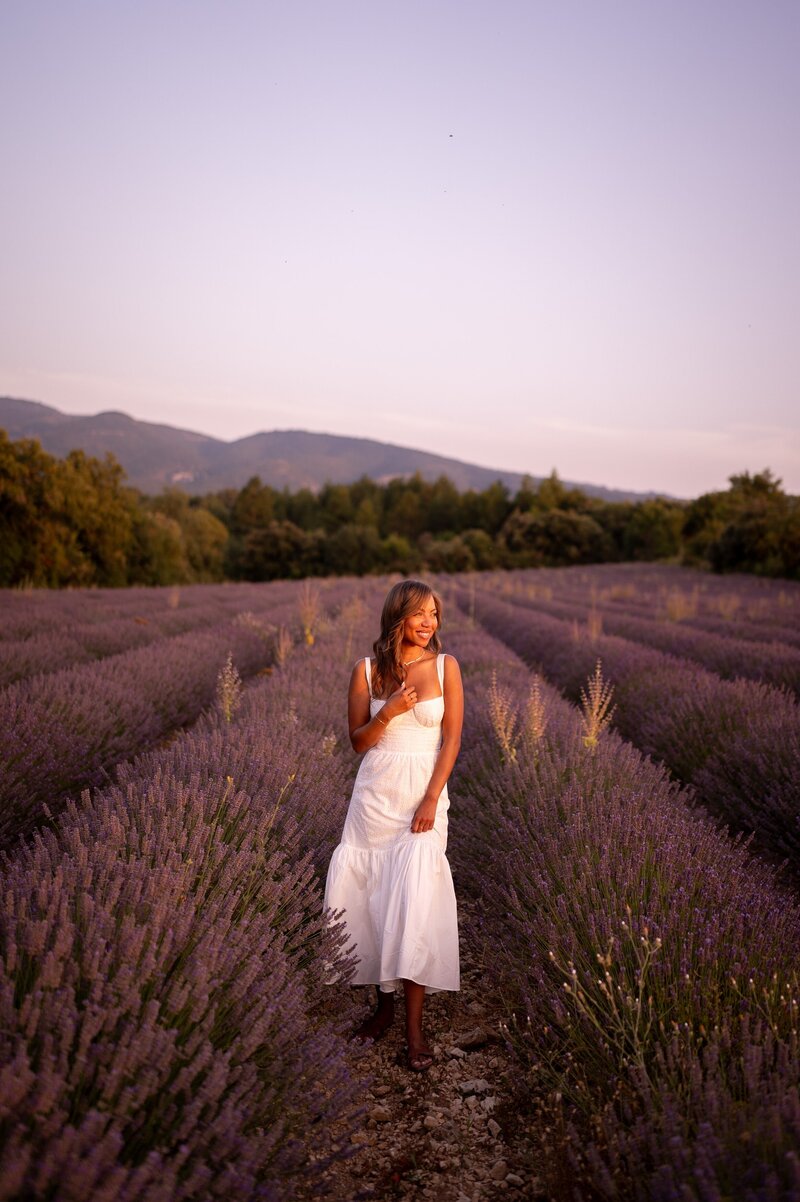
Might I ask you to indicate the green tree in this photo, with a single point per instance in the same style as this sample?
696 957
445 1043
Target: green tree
446 554
613 517
220 504
366 514
405 515
206 540
352 550
442 507
525 497
486 510
302 508
552 494
336 506
280 550
97 506
483 548
749 528
553 539
253 509
62 522
653 530
157 555
703 523
35 545
204 537
398 555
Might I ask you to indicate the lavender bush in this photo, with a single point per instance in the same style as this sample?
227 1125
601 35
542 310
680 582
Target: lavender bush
166 1032
740 607
49 630
737 742
624 931
165 1028
63 731
771 663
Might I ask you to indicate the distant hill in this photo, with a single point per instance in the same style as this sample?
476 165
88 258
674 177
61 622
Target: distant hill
157 457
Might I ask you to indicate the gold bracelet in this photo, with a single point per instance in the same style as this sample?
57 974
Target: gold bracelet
381 720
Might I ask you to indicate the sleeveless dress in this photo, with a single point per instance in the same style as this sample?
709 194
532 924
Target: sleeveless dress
395 887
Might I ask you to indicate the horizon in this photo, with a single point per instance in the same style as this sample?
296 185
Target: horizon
539 238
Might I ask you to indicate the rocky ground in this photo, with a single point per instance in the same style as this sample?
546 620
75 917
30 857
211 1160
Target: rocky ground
452 1133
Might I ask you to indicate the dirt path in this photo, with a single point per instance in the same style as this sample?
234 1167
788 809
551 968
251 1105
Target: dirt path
452 1133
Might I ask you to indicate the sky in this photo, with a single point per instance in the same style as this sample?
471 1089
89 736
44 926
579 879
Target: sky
527 235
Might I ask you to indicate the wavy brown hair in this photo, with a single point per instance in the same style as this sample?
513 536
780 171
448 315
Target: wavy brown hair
402 600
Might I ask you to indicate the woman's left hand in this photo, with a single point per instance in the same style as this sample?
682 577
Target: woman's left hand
424 816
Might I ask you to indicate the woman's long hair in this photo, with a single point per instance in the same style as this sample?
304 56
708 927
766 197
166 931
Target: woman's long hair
402 600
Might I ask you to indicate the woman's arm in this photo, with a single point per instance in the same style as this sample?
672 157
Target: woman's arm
366 731
425 812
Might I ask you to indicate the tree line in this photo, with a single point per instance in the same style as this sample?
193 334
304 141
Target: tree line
75 521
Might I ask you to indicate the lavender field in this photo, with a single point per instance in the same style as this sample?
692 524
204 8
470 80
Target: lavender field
175 774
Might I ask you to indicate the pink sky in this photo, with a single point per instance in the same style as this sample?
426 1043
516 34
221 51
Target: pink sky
525 235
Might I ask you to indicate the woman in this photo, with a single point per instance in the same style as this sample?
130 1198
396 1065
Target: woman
390 874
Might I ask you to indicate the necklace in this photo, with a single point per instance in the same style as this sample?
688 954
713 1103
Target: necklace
408 662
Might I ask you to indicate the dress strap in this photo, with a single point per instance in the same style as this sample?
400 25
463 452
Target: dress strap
440 669
368 674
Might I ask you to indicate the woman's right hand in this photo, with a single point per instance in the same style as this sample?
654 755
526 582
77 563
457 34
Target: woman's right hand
400 702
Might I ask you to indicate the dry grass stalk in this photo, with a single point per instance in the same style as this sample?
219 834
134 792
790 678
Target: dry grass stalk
504 720
621 592
727 605
758 609
536 714
174 597
596 708
309 606
266 632
352 614
575 631
353 611
543 592
679 605
229 689
283 646
594 625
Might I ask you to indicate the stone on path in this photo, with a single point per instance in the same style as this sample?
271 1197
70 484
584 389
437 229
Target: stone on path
475 1085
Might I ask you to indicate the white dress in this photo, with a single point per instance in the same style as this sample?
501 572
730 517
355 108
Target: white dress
395 887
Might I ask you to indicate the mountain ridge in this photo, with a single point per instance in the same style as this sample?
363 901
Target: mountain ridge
157 456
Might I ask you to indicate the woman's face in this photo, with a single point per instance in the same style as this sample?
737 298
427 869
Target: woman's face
419 626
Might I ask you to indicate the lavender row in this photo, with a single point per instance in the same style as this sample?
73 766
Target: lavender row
737 742
651 963
743 607
64 731
735 597
727 656
55 637
164 957
25 613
